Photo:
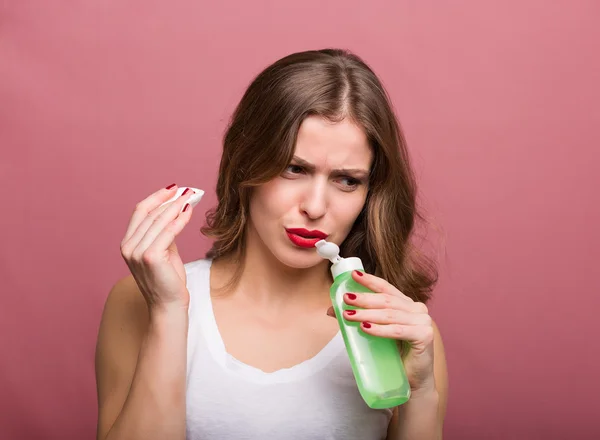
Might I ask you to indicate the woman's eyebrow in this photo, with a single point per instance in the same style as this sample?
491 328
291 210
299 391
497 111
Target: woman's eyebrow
311 167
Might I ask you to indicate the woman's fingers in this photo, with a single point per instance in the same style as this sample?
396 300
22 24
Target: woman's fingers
419 336
154 225
142 228
166 236
383 301
376 284
145 207
387 316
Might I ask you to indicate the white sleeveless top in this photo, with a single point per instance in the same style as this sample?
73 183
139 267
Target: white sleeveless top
226 399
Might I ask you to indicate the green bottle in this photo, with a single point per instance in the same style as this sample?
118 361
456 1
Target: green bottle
376 362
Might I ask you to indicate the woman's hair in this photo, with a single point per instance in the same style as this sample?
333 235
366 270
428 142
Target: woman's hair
259 144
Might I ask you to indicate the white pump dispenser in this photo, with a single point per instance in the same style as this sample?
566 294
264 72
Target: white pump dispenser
331 252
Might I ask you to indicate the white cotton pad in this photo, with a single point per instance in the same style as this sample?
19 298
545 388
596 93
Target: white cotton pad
194 198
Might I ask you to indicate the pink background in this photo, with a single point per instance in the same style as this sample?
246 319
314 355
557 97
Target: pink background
103 102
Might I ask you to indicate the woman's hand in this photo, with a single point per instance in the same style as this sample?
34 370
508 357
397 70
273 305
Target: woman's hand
391 314
150 252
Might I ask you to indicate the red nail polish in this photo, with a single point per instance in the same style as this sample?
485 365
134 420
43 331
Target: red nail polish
359 273
172 186
351 296
351 312
186 191
366 325
187 205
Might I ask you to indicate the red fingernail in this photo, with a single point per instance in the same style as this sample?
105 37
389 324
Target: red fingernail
351 296
351 312
187 205
185 192
172 186
360 274
366 325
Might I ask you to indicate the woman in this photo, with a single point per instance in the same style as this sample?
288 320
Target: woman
240 345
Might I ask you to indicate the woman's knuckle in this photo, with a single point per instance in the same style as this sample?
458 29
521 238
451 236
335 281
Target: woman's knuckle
125 250
428 334
422 308
387 300
427 320
390 315
398 331
139 207
171 229
149 257
136 256
383 285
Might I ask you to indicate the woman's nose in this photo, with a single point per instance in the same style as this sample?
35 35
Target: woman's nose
314 202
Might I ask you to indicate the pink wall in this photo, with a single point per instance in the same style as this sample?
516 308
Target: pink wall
102 102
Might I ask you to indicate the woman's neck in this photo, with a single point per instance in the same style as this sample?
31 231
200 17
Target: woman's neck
267 282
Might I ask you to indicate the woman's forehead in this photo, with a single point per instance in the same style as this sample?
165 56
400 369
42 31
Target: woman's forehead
333 144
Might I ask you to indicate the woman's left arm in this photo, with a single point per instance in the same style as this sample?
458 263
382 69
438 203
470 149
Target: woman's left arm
391 314
422 417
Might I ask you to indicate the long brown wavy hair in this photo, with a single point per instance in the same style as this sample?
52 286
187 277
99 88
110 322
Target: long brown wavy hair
259 144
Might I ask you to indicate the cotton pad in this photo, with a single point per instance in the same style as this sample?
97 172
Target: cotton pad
194 198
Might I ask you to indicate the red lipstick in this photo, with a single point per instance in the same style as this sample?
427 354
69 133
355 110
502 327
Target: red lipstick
304 238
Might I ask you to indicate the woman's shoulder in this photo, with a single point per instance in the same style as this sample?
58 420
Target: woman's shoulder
125 292
125 304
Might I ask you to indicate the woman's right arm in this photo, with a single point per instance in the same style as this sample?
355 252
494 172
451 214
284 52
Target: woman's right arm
140 368
142 342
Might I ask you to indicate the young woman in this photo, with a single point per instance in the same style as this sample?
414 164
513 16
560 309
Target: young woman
240 345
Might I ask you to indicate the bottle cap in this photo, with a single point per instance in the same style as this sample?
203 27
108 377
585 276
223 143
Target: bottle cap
331 251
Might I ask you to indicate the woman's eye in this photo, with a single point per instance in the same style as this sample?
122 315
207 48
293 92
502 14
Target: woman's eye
349 182
294 169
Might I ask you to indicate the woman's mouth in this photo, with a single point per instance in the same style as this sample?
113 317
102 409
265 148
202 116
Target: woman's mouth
304 238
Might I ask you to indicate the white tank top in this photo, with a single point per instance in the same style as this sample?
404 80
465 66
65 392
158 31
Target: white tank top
317 399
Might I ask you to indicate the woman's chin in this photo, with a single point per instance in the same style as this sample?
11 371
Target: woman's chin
299 258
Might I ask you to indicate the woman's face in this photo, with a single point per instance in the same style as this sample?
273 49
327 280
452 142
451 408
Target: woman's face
319 195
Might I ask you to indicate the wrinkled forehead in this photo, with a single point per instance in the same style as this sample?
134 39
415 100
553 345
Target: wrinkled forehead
331 145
